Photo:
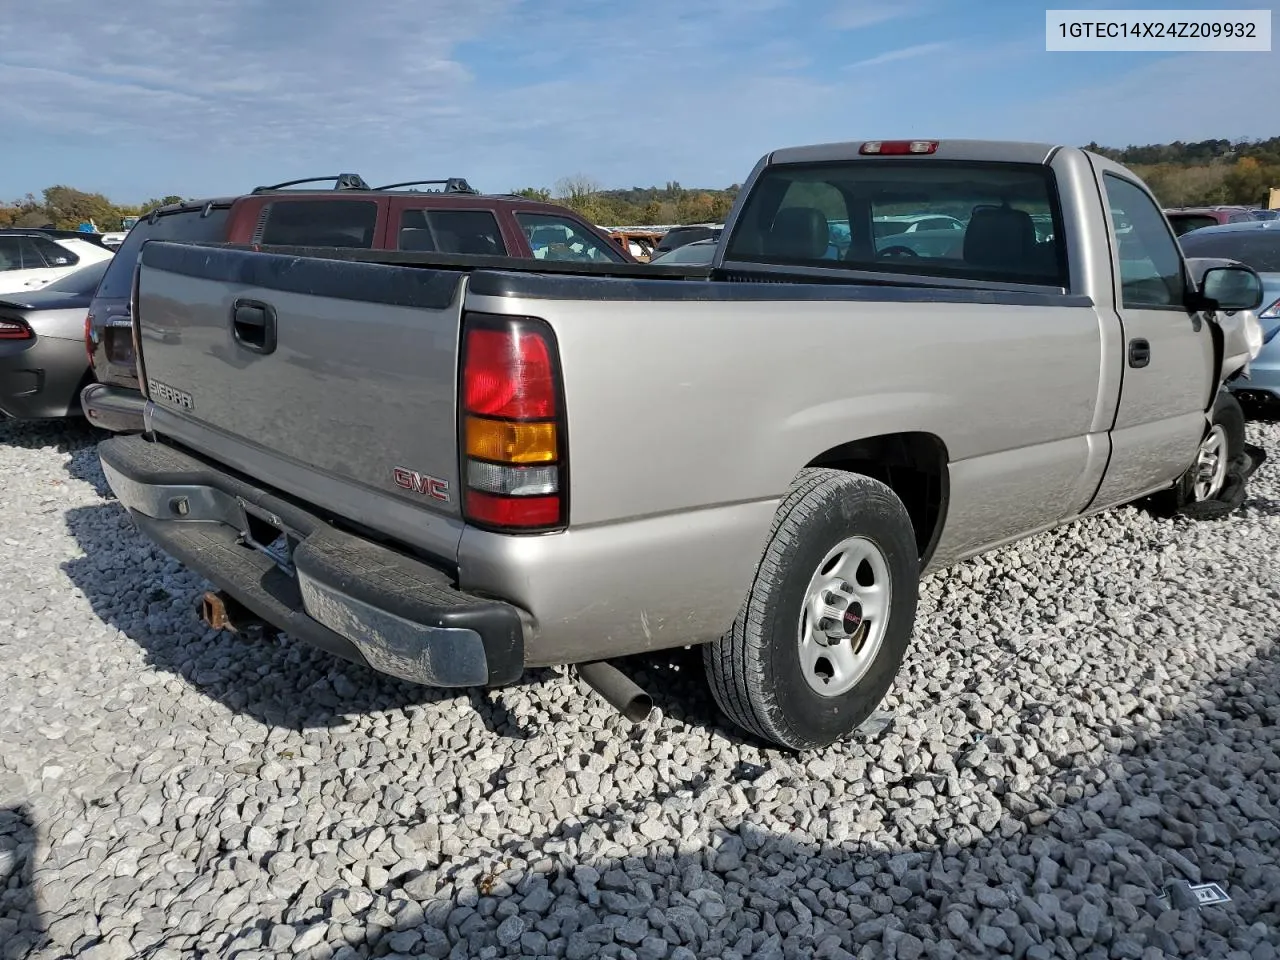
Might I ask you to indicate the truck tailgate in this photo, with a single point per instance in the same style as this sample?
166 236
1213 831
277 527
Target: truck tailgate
330 380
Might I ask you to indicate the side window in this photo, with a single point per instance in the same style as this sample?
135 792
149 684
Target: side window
559 238
10 254
318 223
53 254
1151 268
29 254
451 231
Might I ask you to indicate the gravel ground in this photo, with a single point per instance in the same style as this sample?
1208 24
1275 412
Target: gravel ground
1085 717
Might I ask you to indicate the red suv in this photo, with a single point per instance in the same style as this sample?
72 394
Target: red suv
450 218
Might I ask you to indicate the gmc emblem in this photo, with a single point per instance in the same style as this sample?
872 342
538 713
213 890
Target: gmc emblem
433 487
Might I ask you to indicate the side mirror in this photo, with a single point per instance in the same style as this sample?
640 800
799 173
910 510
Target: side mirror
1236 287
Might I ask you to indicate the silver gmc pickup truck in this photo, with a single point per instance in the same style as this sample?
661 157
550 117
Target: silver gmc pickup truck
452 468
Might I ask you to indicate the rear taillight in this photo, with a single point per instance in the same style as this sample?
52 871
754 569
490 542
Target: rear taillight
15 330
88 337
1271 313
514 464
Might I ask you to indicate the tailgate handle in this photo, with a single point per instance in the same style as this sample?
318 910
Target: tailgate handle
1139 353
253 323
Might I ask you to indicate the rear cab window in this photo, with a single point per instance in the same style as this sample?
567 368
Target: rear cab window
899 216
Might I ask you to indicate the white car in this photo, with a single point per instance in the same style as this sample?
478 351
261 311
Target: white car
30 260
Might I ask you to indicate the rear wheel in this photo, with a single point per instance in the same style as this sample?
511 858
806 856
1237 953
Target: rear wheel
826 624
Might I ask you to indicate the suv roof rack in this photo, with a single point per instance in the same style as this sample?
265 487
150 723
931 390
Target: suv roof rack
451 185
343 181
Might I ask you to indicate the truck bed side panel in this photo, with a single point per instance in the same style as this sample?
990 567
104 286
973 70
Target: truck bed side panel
681 407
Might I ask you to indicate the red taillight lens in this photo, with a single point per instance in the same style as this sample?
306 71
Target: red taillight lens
509 375
512 432
898 148
15 330
512 511
88 337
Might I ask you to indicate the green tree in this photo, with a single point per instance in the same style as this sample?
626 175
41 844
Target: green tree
68 207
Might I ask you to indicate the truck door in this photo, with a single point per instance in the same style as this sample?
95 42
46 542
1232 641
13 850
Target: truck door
1168 367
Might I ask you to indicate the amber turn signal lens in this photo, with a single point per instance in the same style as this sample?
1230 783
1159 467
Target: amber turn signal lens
507 442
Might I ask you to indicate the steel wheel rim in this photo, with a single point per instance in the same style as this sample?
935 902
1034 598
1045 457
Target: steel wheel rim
1211 464
844 617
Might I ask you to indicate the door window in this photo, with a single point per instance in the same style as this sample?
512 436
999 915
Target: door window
1151 269
559 238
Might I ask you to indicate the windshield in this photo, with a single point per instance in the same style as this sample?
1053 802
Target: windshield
1259 248
83 281
183 225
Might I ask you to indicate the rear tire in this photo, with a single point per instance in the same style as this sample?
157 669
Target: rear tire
826 624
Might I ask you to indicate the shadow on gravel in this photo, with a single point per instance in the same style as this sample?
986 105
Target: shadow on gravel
278 682
21 926
1073 871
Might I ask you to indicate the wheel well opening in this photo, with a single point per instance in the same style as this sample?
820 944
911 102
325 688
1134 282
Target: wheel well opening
913 465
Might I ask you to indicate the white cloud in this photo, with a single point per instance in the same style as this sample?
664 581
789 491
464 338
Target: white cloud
903 53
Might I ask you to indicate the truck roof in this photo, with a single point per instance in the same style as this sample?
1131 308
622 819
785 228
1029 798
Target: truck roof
1008 151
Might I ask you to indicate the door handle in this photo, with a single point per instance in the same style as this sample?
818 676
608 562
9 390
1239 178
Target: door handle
1139 353
253 324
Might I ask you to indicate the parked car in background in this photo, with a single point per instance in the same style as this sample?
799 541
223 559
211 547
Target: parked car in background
454 470
447 217
689 254
42 360
639 243
1259 213
1185 219
1256 244
31 259
679 236
911 223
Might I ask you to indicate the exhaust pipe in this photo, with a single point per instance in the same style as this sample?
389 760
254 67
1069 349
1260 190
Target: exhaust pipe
219 611
617 688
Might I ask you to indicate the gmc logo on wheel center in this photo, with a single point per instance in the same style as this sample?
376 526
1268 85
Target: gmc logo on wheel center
433 487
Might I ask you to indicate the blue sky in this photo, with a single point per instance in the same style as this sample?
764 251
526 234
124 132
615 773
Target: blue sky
200 97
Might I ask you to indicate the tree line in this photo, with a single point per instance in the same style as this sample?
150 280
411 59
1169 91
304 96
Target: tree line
1181 174
66 208
1204 173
